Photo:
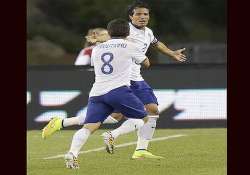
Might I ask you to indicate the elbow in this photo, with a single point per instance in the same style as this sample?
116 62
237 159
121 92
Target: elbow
147 65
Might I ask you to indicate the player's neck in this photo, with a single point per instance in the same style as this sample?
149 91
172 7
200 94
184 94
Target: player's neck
140 28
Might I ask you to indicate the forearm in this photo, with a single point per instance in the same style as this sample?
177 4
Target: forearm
161 47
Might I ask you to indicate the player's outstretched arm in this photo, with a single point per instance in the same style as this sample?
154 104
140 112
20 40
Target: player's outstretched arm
177 54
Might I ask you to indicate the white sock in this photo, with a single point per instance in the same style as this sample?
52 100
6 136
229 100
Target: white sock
145 133
80 120
110 120
127 127
79 139
70 121
142 144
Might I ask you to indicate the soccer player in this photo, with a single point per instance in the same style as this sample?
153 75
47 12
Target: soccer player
112 61
94 37
143 37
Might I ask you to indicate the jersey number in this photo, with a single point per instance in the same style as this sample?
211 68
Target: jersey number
144 48
106 59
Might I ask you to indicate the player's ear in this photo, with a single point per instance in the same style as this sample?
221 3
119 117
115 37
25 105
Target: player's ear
130 17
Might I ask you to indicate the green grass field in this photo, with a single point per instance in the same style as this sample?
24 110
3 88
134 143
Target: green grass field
198 152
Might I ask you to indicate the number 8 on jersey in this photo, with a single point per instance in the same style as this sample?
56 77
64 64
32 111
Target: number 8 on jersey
106 59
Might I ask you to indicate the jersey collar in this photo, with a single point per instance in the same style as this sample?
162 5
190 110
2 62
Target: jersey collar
136 27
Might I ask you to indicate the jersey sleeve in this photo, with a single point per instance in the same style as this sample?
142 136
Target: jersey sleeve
88 51
137 55
82 59
153 39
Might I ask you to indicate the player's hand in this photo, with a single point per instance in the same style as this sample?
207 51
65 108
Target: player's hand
179 56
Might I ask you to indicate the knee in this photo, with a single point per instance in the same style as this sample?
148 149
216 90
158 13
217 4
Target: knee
92 130
92 127
117 116
153 110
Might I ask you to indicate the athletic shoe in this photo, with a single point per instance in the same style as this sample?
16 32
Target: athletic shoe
109 142
71 161
140 154
54 125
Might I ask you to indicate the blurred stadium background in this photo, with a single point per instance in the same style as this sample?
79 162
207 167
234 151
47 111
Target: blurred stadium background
192 96
55 28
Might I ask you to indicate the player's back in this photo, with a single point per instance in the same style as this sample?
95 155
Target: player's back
112 61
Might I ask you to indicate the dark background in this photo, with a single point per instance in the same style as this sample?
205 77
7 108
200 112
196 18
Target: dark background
56 28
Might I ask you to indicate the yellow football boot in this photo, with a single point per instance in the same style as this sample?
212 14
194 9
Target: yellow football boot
140 154
54 125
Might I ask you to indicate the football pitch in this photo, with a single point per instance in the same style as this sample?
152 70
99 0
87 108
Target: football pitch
186 152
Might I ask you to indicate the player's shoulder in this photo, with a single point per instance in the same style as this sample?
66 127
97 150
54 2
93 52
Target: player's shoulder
103 43
148 30
129 42
131 45
99 45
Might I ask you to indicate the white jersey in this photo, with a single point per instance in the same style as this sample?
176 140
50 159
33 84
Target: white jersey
142 39
112 61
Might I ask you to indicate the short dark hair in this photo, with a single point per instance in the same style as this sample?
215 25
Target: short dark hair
118 28
137 4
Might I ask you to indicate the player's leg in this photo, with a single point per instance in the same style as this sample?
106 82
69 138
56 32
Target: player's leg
107 136
145 93
56 124
79 139
97 112
126 128
112 119
145 134
79 120
130 106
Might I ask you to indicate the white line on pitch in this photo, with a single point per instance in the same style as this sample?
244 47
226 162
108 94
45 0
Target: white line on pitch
117 146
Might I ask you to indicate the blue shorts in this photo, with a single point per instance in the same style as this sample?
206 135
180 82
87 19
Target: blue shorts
121 99
144 92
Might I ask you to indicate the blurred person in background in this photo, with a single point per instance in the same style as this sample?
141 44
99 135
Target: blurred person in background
94 36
